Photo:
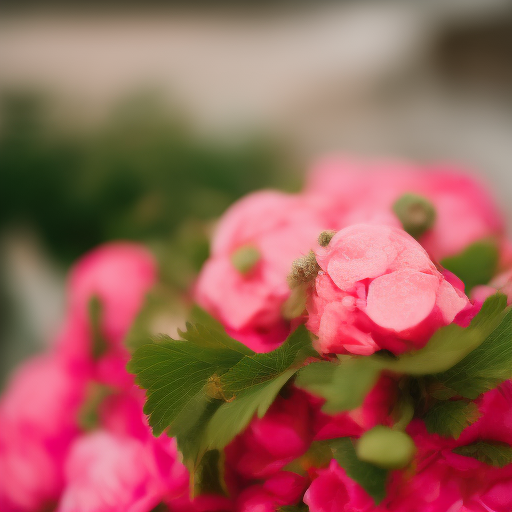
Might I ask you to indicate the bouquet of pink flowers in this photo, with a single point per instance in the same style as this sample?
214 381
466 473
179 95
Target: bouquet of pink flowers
350 350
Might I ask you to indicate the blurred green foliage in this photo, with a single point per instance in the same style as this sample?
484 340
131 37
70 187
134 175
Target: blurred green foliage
143 175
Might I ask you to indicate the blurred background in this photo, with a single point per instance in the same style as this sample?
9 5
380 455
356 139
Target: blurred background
145 124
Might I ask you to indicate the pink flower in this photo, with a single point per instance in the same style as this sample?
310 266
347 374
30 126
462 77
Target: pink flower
38 418
271 442
378 289
107 473
121 415
365 191
243 284
119 275
334 491
501 283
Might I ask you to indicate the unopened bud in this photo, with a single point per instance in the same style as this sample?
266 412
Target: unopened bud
325 237
386 448
244 259
304 270
416 213
295 304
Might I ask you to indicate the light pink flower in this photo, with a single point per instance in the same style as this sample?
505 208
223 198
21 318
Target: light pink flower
378 289
119 275
334 491
279 228
38 418
365 191
107 473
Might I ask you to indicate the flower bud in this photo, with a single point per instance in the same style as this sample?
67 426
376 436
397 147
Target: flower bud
325 237
245 258
415 212
386 448
304 270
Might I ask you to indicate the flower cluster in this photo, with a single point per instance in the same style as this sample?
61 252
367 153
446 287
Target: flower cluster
353 353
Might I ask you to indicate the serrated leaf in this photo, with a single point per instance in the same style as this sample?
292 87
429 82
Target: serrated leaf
450 418
492 453
371 478
486 367
159 302
476 264
174 372
451 344
186 393
439 391
344 384
232 417
258 368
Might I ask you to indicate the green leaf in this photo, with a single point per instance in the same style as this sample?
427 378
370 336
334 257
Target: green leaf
160 302
206 389
452 343
208 477
175 372
252 385
450 418
258 368
371 478
439 391
486 367
343 384
232 417
475 265
492 453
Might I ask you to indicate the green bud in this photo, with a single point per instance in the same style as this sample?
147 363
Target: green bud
304 270
295 304
325 237
386 448
245 258
416 213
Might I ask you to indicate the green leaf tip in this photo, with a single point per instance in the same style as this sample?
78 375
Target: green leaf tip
245 258
415 212
343 385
